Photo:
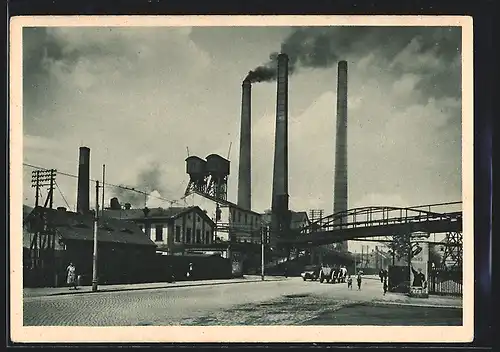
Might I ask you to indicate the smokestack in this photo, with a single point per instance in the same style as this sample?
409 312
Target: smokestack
340 182
83 195
279 205
244 172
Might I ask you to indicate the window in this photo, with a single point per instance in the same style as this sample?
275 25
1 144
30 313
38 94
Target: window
198 218
207 237
245 218
198 236
177 234
159 233
188 235
239 217
189 216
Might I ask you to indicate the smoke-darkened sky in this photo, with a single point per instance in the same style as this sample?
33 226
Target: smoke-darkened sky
137 97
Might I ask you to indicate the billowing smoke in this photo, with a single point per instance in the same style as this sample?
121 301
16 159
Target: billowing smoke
148 182
323 47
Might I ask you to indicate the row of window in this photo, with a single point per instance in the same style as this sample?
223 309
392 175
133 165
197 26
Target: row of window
247 218
198 238
188 239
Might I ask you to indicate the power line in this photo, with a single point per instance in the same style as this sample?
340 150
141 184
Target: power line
62 195
108 184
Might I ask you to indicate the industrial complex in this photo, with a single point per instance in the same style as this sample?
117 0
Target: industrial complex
223 238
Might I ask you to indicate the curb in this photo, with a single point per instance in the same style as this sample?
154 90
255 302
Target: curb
423 305
144 288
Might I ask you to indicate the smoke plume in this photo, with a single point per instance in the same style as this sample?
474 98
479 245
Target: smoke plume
148 181
323 47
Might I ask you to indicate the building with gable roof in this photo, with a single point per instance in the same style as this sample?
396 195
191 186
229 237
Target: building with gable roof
52 238
171 229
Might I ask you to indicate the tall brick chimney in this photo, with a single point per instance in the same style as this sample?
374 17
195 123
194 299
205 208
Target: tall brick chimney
83 193
340 179
244 172
280 222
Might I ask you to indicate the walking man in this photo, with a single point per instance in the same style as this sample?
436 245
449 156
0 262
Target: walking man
385 286
381 275
349 282
359 280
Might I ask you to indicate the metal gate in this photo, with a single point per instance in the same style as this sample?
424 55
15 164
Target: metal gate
446 281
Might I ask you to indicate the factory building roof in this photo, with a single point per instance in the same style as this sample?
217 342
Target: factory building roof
154 213
75 226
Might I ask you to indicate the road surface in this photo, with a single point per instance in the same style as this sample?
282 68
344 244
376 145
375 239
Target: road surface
287 302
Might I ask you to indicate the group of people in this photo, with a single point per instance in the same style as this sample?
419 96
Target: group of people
339 274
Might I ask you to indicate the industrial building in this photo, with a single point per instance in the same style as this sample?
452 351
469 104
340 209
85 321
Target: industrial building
125 251
170 229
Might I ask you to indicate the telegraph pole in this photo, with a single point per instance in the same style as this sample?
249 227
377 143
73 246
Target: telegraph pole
96 217
103 183
262 261
35 182
51 186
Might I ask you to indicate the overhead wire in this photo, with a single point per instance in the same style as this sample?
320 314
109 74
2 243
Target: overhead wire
132 189
62 195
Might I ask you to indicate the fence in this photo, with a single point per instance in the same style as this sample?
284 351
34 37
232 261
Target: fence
445 281
442 281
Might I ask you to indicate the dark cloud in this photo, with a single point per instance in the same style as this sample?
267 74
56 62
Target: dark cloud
46 48
323 47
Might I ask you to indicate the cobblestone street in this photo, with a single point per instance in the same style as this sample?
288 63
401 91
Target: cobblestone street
286 302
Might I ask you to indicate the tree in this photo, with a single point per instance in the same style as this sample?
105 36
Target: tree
399 246
435 257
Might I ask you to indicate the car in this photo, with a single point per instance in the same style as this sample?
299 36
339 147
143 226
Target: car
310 272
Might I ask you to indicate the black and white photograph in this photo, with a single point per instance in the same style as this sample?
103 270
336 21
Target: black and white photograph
230 178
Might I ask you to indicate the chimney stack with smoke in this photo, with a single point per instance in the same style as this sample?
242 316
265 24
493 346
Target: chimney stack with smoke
340 179
83 193
244 172
279 207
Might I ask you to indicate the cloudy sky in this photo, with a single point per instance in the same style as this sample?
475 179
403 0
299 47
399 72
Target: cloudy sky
137 97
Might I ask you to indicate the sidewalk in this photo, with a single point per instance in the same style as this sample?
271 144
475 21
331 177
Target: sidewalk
432 301
57 291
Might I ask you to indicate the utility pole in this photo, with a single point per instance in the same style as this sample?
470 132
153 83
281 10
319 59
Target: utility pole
35 182
262 261
51 187
96 217
103 183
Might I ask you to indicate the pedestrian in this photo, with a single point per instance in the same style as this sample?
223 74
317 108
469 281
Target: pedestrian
381 275
171 275
385 286
190 271
71 278
286 272
358 279
349 282
344 273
